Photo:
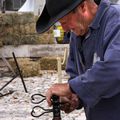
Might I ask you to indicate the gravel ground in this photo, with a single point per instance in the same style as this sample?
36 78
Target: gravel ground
18 106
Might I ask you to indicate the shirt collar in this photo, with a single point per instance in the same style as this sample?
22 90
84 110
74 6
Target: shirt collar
104 5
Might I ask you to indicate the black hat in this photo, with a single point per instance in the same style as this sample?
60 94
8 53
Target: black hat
53 11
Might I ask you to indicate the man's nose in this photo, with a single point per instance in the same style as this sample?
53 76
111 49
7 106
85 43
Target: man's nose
65 27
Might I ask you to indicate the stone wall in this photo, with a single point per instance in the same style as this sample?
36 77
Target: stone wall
30 51
17 29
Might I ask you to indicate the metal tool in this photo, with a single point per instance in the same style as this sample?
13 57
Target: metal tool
34 98
55 110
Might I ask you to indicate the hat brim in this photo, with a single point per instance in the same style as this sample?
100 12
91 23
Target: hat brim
45 21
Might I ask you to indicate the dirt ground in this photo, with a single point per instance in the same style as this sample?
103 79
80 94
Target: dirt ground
18 106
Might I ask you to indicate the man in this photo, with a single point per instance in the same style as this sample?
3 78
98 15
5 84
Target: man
94 82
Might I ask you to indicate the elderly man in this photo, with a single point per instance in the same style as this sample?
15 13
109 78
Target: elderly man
94 57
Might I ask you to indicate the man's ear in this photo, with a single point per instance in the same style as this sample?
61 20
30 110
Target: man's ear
82 7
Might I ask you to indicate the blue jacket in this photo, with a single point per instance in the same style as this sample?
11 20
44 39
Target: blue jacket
98 83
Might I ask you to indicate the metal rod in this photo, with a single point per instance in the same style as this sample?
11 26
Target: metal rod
2 95
19 72
8 82
37 95
56 107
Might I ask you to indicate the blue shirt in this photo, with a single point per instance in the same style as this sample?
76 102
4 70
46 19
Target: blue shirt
98 83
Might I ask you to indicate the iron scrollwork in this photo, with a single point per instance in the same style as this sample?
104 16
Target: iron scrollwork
55 110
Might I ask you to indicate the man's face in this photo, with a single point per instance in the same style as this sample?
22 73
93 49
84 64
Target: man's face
77 21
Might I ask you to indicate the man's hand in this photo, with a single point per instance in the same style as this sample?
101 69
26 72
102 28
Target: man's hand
69 104
61 90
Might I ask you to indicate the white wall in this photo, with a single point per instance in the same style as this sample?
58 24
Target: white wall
118 1
39 5
35 6
34 50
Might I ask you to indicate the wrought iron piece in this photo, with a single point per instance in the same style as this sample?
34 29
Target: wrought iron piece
55 110
34 113
36 101
56 107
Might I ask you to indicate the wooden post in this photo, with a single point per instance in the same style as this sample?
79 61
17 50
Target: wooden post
59 69
59 65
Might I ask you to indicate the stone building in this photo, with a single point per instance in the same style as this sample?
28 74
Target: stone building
34 6
12 5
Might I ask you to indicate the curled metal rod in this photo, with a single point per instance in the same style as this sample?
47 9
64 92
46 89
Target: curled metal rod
55 110
33 98
33 113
